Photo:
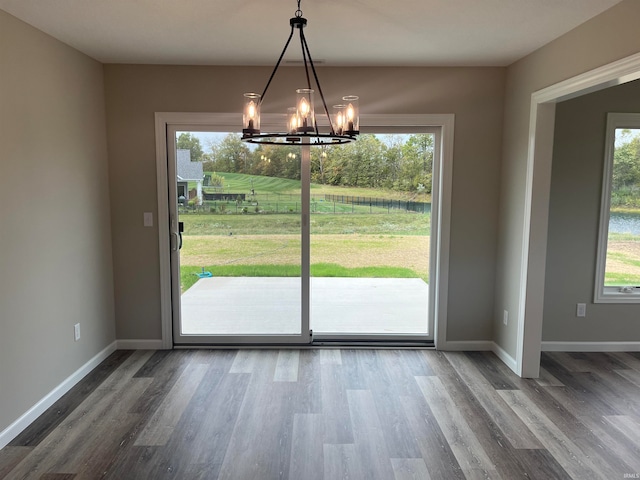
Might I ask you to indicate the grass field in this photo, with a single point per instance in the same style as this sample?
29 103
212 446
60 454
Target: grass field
261 235
281 195
241 183
189 275
387 224
342 255
623 260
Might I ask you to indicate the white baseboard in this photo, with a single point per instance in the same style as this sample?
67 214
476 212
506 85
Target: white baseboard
125 344
508 360
13 430
591 346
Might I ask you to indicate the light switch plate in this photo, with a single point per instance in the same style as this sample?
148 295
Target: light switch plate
148 219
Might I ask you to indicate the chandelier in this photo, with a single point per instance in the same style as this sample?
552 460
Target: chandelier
302 127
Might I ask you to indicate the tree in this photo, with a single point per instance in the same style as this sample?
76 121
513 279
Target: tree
319 160
392 162
625 182
290 162
626 162
417 161
186 141
231 154
357 164
216 180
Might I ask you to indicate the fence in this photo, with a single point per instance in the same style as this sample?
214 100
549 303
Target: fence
290 203
228 197
419 207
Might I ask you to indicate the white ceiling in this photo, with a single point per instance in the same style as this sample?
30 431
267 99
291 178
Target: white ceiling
340 32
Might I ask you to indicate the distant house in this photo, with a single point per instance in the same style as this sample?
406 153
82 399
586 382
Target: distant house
189 171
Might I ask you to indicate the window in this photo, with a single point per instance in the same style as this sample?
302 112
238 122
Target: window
618 267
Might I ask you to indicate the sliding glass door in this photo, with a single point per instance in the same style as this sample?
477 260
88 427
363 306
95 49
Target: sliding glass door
270 243
370 238
236 252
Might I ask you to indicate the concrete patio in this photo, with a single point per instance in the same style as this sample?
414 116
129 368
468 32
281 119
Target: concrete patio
271 305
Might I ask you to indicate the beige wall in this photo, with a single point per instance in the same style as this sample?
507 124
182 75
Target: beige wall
55 239
608 37
474 95
574 217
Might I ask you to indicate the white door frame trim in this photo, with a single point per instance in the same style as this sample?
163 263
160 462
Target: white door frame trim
538 180
443 211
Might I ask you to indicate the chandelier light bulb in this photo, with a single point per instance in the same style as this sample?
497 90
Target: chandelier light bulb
251 114
292 120
338 118
304 107
351 115
306 117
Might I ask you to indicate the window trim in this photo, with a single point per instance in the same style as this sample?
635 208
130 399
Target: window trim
605 294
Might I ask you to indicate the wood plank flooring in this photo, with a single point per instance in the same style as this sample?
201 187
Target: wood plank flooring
338 414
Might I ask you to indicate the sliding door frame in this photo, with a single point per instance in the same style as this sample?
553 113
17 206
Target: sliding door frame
441 212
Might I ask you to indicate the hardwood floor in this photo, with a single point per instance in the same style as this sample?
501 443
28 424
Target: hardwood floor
338 414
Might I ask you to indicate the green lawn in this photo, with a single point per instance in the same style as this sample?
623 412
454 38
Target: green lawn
630 264
613 279
241 183
189 275
274 212
281 195
623 260
382 224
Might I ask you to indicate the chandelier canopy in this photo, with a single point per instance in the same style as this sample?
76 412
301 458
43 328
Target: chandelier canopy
302 126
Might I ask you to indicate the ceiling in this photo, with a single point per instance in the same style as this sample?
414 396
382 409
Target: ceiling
340 32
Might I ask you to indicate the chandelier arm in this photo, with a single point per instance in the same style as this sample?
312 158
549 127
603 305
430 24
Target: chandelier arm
304 59
306 71
275 69
315 75
320 139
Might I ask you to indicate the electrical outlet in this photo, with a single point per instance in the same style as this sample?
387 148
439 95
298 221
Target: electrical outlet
76 332
581 310
505 317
